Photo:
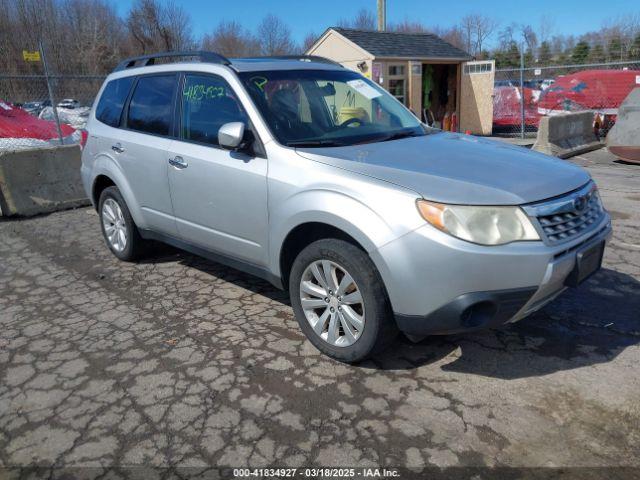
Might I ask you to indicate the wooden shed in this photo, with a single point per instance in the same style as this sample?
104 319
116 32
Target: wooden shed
429 75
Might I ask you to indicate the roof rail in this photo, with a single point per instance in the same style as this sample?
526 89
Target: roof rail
305 58
146 60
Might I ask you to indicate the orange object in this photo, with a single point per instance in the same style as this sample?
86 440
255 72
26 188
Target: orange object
446 122
432 212
467 132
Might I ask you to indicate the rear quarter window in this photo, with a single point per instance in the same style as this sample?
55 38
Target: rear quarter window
109 107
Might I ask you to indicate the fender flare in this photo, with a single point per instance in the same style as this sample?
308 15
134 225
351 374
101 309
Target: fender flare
337 210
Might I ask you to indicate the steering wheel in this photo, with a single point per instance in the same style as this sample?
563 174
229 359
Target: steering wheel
351 120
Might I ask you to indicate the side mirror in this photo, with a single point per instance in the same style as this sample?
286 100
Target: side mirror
231 135
328 90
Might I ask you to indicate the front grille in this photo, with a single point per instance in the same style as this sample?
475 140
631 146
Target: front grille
574 220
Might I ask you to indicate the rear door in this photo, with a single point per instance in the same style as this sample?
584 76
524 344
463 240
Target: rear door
476 99
141 147
219 196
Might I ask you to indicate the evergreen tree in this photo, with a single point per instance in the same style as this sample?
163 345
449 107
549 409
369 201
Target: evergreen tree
544 54
509 57
528 58
634 52
580 52
513 55
614 49
597 55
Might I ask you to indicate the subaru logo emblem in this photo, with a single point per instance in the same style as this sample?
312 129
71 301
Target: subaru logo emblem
580 203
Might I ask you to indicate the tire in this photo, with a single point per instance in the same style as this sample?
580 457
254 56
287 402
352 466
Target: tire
348 343
134 245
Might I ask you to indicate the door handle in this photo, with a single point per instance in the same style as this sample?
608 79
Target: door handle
178 162
117 148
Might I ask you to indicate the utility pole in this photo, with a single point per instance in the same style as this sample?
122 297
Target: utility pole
51 99
382 15
522 122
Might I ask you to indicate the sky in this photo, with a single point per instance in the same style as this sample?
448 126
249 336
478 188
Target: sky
304 16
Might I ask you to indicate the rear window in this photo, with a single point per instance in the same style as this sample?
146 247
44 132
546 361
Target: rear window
151 104
109 107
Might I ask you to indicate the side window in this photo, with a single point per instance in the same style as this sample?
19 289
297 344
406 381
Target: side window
208 103
109 107
150 108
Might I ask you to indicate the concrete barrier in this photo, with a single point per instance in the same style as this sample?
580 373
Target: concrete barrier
40 180
566 135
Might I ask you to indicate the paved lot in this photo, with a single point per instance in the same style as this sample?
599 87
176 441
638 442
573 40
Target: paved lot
180 361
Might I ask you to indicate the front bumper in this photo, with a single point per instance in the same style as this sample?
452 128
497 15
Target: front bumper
438 284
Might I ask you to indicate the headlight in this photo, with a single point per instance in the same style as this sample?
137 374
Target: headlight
477 224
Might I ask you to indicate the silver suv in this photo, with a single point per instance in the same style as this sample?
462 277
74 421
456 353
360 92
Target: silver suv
308 175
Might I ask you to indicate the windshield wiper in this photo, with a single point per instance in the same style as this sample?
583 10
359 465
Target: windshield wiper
391 136
315 143
398 136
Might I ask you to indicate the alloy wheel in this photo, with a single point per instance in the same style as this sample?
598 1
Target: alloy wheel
332 303
115 227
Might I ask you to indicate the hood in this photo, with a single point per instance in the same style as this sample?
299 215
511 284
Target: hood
453 168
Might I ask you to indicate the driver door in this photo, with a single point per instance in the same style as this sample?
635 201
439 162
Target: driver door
219 196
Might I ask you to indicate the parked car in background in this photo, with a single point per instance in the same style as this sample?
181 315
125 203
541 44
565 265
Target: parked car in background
601 91
69 103
372 221
546 83
532 84
31 107
76 117
503 83
34 108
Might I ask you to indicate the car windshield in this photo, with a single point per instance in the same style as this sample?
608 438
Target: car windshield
324 108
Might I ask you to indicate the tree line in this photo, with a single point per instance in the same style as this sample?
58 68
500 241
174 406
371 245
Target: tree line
484 38
90 37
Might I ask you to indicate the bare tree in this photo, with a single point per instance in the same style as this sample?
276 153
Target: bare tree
364 20
275 37
178 22
453 35
485 27
95 32
467 26
408 26
529 37
154 26
547 26
476 29
232 40
40 19
507 36
309 40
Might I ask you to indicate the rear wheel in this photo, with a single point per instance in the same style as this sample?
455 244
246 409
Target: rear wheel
118 228
339 300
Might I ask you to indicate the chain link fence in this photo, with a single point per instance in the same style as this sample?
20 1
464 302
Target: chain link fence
556 89
28 109
27 117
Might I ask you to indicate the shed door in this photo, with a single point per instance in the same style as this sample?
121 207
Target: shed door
476 97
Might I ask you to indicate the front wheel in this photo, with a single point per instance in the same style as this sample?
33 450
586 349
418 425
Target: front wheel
340 301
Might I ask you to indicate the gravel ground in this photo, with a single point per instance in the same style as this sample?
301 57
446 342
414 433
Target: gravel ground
178 361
